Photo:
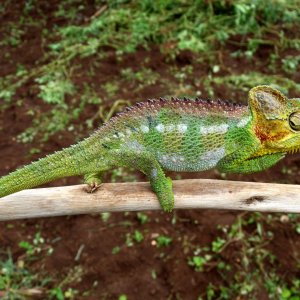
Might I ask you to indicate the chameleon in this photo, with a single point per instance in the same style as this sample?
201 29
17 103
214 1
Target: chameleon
174 134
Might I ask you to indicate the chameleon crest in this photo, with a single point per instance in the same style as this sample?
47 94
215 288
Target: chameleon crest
177 135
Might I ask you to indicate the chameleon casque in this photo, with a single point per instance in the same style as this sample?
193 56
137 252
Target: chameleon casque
178 135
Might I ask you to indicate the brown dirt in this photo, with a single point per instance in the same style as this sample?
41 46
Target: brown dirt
128 272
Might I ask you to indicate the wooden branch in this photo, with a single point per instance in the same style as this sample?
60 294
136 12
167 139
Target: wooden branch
195 193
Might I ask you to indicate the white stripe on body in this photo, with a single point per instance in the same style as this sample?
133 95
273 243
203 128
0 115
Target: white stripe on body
217 129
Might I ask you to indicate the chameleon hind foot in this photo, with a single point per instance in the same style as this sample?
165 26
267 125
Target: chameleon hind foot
93 181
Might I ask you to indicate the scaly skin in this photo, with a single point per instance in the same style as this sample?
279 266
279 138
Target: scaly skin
177 135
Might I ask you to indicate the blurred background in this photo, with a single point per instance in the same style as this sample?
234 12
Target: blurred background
66 67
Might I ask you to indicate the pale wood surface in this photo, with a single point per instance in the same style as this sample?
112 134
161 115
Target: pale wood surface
189 194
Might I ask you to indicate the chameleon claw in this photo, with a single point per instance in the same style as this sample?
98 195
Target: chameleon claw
93 182
93 187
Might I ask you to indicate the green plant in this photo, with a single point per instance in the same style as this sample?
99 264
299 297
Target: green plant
116 250
129 241
292 292
54 87
57 293
290 63
198 262
163 241
218 244
37 246
143 218
105 216
16 280
138 236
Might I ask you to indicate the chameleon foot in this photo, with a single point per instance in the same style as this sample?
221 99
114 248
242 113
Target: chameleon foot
164 192
91 188
93 182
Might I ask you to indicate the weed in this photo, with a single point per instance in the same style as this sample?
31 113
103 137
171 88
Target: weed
218 244
54 87
36 247
198 262
290 63
163 241
115 250
105 216
57 293
17 282
110 89
246 81
143 218
125 26
129 241
138 236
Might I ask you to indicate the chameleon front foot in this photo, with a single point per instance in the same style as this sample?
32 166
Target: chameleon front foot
147 163
93 181
163 190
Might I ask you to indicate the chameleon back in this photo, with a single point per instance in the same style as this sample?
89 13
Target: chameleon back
183 135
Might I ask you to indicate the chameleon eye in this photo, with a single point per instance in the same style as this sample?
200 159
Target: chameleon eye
294 121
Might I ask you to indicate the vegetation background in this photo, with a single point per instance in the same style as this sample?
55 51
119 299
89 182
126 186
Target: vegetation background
68 66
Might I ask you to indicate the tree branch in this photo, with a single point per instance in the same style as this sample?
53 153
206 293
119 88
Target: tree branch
189 194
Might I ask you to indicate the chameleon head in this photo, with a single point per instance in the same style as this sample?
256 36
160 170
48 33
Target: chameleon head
276 120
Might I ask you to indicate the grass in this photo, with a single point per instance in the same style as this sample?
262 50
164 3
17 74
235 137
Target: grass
19 282
175 26
16 281
255 267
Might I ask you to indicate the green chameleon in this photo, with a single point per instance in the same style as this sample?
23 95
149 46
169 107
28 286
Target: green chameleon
177 135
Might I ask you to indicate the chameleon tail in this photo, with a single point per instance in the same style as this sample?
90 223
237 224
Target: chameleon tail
57 165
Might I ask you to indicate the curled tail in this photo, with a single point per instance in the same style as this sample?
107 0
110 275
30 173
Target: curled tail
57 165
